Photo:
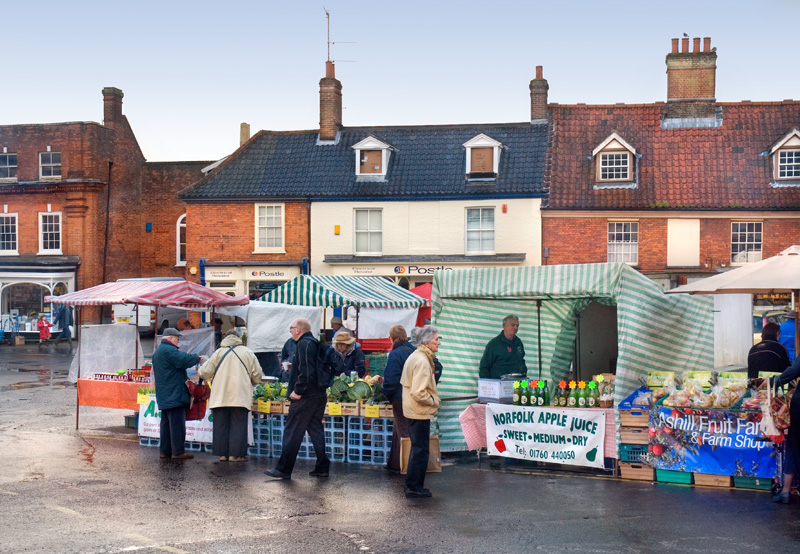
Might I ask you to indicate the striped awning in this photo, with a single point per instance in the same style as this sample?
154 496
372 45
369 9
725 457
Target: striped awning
331 291
184 294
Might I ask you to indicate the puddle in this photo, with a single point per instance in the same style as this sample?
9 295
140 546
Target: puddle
31 385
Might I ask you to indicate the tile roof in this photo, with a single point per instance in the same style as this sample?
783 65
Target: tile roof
427 162
707 168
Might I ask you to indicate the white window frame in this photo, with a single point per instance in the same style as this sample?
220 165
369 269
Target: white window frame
51 165
9 167
372 143
753 235
481 230
51 251
788 145
180 225
280 249
15 251
614 145
370 231
624 251
483 141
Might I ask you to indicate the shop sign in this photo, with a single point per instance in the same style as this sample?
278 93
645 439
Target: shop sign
364 270
220 274
572 437
196 431
418 269
709 441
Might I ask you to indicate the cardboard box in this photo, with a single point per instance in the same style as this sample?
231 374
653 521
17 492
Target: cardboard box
434 457
495 390
633 435
637 472
387 410
19 340
351 408
710 480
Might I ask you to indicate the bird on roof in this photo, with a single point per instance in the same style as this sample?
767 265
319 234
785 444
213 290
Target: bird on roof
684 34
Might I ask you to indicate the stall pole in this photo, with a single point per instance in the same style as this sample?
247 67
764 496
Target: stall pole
539 329
795 292
77 336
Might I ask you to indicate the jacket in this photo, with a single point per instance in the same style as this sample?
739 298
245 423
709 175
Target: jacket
787 336
169 369
351 361
303 377
501 357
767 355
394 370
420 398
789 375
44 329
234 378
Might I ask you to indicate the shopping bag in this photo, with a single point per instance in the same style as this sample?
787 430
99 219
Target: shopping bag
198 400
434 456
775 414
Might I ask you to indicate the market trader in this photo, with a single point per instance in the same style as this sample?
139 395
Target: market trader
505 353
769 354
172 396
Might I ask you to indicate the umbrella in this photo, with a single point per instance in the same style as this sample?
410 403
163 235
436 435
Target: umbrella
778 274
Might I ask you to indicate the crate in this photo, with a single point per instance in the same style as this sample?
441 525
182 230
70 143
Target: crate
669 476
194 446
759 483
132 421
149 441
634 418
637 472
711 480
369 440
633 435
633 453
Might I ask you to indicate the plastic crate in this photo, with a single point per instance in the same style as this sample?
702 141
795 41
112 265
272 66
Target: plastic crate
633 453
194 446
149 441
759 483
669 476
369 440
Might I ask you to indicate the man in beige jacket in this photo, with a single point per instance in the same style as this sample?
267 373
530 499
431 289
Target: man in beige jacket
420 404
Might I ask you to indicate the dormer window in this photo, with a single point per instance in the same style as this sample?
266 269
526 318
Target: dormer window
483 157
372 157
615 163
786 159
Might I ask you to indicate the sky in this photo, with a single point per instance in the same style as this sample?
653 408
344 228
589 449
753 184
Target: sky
192 72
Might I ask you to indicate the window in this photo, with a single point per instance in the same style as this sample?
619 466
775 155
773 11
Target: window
8 167
789 164
50 165
368 232
50 233
483 157
623 242
614 163
371 162
746 242
269 228
8 234
372 157
615 167
481 160
180 247
786 159
480 231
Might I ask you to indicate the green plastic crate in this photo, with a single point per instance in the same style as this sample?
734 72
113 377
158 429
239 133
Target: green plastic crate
633 453
668 476
760 483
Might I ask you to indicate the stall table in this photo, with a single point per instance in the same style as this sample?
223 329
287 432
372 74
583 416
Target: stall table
109 394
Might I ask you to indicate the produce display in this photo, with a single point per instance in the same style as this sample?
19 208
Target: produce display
567 394
348 388
692 395
270 392
135 375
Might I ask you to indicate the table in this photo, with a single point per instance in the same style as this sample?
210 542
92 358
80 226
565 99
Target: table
473 424
109 394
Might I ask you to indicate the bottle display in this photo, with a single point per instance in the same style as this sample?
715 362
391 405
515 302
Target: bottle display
582 394
572 399
516 399
525 397
563 394
544 394
594 395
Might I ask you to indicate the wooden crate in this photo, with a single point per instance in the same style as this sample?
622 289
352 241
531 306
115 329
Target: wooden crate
634 418
633 435
637 472
710 480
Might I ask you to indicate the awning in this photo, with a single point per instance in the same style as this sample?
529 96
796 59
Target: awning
183 294
332 291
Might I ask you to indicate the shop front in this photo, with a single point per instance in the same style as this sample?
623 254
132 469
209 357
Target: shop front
253 280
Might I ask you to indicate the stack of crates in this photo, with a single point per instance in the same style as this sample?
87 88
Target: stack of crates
262 429
634 422
335 439
375 363
369 440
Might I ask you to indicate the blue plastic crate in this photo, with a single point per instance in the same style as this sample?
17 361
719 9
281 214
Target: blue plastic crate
149 441
194 446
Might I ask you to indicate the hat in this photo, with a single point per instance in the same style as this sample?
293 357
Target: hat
343 338
171 332
337 319
233 331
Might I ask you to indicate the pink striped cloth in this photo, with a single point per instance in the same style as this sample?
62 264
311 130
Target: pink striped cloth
473 424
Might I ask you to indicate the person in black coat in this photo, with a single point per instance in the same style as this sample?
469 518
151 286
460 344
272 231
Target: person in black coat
351 357
393 391
769 354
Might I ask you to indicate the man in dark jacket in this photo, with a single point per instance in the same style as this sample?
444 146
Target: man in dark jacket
504 354
401 350
769 354
307 407
172 396
63 320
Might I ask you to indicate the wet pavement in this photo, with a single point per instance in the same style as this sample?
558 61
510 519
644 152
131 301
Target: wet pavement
97 490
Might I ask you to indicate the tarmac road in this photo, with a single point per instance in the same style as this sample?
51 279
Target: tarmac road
96 490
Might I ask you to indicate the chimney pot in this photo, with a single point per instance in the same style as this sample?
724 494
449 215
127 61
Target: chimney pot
538 88
330 71
112 106
685 45
696 45
707 44
244 133
539 72
674 46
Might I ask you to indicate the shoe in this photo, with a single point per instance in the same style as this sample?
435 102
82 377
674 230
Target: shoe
278 474
319 473
424 493
164 456
782 497
223 458
237 459
184 456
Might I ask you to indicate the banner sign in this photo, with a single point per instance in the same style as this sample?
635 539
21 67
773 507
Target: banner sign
709 441
200 430
557 436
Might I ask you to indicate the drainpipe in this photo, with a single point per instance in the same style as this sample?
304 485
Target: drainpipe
202 284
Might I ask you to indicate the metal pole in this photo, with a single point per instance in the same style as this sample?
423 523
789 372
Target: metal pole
539 333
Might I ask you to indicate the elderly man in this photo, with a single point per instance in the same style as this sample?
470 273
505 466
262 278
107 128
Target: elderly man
308 405
505 353
172 396
338 327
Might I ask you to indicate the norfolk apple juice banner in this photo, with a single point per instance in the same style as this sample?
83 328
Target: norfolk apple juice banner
709 441
557 436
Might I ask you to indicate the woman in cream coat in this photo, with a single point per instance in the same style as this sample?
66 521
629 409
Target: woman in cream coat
233 370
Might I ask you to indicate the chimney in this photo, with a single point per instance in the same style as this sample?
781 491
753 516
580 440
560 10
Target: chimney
691 80
244 133
330 104
112 106
539 89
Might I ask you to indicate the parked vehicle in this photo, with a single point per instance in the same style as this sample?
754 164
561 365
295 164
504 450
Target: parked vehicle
150 318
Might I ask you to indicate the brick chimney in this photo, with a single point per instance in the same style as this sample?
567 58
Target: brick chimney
691 79
112 106
330 104
539 89
244 133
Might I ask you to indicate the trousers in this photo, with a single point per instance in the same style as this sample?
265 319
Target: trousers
305 415
173 431
419 431
229 434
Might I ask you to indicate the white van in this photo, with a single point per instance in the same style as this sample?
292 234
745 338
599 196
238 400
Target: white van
150 318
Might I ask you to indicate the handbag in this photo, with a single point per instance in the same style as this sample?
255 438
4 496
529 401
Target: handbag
775 413
198 400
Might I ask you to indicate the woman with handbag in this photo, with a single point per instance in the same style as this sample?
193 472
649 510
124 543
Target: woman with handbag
233 370
791 464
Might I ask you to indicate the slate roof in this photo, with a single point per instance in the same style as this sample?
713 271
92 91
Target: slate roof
711 168
427 162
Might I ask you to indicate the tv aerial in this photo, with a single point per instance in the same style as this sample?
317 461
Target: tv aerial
328 17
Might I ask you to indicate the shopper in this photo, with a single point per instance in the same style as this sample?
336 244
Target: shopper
350 357
44 330
64 320
420 404
401 350
337 326
791 445
234 370
308 405
172 396
768 355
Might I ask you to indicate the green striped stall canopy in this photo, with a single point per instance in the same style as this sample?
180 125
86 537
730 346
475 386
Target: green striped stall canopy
654 330
332 291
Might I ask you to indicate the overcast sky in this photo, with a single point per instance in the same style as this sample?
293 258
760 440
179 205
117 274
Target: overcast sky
193 71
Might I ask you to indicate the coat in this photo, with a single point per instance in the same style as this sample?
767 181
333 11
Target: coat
44 329
501 357
234 378
303 377
420 399
169 369
351 361
394 369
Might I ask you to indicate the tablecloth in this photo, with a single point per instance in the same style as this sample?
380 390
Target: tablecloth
109 394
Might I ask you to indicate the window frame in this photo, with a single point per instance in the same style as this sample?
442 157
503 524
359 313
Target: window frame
746 232
795 164
478 142
789 143
180 225
281 249
601 167
369 232
623 231
51 165
10 178
372 144
480 230
51 251
15 251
